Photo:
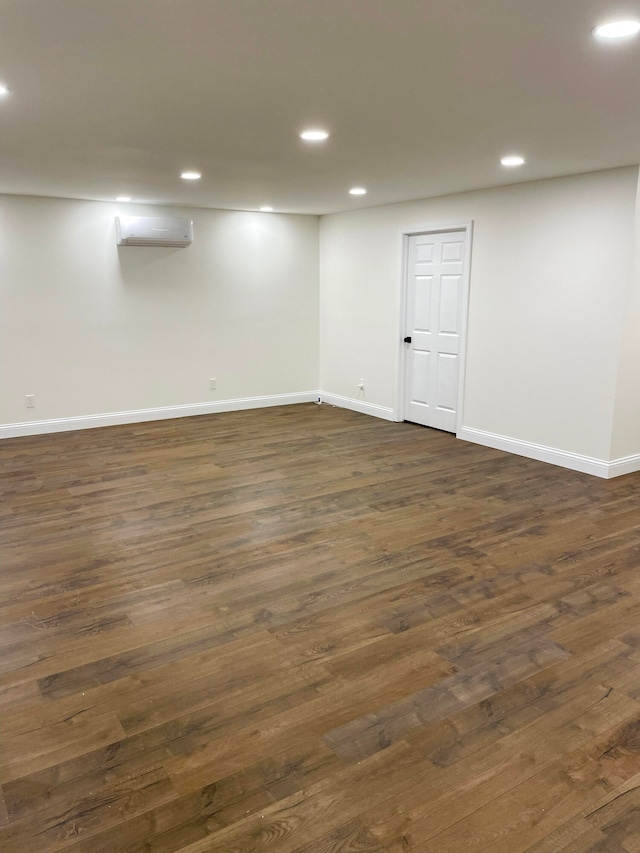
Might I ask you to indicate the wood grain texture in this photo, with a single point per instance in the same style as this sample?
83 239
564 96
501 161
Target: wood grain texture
302 630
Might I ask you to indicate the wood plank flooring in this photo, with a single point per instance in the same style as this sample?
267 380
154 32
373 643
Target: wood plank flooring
303 630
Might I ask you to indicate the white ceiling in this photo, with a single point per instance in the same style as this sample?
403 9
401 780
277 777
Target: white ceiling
421 97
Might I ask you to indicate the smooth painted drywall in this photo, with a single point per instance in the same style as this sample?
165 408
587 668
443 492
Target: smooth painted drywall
90 328
549 275
626 426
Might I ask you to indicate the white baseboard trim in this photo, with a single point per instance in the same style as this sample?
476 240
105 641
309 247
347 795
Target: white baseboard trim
162 413
357 405
574 461
563 458
625 465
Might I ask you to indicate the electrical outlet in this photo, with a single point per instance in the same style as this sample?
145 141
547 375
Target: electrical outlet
361 384
30 400
212 384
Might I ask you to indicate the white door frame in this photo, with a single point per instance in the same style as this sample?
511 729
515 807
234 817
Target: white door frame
412 231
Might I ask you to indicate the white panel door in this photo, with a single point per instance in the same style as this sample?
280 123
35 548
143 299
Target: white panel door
433 328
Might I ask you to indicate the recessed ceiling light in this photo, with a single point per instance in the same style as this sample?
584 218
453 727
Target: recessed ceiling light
123 198
4 90
266 209
618 29
316 135
191 176
357 191
512 160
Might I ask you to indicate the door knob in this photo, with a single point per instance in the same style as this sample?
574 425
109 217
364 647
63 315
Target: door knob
407 340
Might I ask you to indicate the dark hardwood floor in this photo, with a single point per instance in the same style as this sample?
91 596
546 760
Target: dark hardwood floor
304 630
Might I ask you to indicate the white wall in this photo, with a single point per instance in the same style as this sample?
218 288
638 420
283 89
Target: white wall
89 328
553 343
549 277
626 428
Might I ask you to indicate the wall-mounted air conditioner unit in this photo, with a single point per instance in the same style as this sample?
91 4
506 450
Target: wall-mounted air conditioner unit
153 231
